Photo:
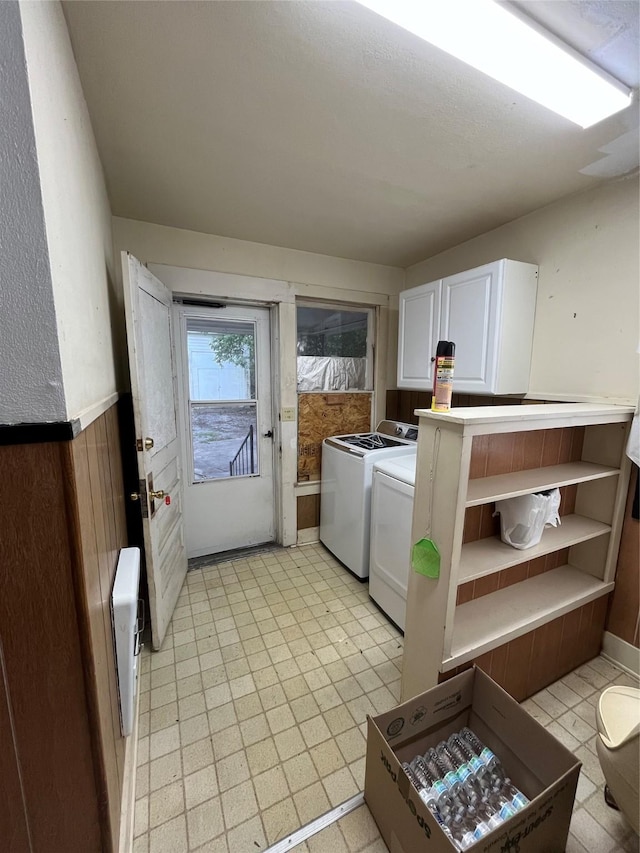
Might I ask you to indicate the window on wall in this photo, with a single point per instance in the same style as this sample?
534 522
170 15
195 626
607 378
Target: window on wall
334 348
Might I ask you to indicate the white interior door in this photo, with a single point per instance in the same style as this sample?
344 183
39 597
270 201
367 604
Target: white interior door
226 421
148 316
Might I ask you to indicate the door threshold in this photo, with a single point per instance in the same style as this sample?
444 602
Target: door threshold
226 556
317 825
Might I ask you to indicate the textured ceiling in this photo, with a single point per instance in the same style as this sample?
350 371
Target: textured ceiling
320 126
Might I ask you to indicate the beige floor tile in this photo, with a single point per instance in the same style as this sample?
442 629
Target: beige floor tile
314 731
327 697
239 804
327 757
254 729
359 828
160 677
589 833
196 755
200 786
352 744
191 706
237 667
194 729
204 823
287 669
280 719
242 686
232 770
272 697
214 677
338 719
340 786
304 707
577 727
248 836
165 741
289 743
262 756
300 772
222 717
330 839
163 771
270 787
163 717
279 819
141 816
141 844
166 803
295 687
311 802
217 696
170 837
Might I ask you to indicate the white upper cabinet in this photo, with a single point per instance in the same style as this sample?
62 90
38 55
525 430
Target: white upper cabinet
487 312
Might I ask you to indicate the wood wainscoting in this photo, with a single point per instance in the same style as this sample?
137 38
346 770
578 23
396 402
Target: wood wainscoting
61 752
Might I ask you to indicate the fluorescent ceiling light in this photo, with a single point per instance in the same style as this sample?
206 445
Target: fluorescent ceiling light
491 39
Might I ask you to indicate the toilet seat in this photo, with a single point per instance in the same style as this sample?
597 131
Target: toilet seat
618 715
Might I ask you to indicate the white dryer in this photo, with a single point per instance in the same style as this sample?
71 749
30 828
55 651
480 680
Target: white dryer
391 516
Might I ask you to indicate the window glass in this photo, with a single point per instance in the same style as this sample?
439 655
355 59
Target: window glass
332 348
222 398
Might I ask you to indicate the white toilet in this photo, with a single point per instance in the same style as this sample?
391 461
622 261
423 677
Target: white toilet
618 747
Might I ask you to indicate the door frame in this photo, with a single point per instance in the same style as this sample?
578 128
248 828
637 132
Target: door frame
180 310
280 296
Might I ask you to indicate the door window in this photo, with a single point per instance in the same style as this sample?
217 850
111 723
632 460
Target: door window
222 398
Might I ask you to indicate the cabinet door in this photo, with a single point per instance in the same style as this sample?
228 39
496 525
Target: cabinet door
418 335
470 305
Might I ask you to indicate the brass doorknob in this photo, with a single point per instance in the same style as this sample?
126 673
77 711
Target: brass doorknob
157 496
135 496
148 443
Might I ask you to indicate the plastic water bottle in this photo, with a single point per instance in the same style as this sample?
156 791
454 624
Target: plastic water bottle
444 772
483 752
428 796
437 791
499 809
472 789
509 791
463 752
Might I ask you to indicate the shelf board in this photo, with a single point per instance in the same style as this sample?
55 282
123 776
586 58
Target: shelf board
501 616
502 486
486 556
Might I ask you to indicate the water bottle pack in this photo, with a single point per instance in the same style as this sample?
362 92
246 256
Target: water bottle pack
464 786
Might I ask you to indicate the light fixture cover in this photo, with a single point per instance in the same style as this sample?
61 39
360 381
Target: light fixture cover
490 38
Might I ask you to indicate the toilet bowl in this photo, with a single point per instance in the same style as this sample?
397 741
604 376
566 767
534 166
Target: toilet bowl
618 747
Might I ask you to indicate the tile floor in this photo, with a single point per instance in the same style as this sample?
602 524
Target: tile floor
252 716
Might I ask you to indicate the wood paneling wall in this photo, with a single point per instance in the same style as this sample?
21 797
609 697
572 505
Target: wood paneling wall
624 614
62 513
531 662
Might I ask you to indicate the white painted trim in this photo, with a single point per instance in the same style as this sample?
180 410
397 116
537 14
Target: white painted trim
621 653
87 416
307 487
128 804
553 396
308 535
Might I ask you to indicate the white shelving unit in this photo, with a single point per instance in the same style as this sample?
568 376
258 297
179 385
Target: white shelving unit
441 635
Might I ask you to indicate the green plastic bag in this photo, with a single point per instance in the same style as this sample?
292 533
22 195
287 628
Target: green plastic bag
425 558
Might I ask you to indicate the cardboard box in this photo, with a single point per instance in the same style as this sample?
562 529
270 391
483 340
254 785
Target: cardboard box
537 763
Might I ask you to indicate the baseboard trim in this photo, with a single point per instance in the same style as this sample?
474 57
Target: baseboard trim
621 653
128 805
308 535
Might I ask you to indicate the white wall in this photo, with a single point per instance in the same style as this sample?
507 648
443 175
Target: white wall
311 275
587 314
76 210
31 373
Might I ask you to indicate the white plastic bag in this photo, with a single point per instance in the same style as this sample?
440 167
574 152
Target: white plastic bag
523 519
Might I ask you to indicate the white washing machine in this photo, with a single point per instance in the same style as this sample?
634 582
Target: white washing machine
391 516
345 490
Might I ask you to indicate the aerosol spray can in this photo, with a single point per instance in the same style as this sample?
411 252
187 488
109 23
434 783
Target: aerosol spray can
443 376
